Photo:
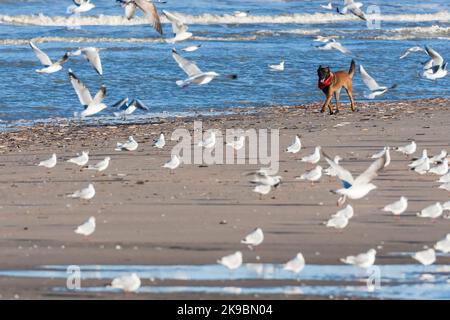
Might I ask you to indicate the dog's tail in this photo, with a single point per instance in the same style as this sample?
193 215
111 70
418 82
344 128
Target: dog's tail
351 71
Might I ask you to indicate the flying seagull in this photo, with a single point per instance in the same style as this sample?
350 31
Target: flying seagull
374 87
81 6
50 67
352 7
128 108
91 106
92 55
334 45
408 51
192 48
195 75
329 6
178 26
148 9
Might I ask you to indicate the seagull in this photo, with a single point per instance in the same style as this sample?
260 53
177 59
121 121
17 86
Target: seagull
434 211
334 45
410 50
362 260
330 171
296 146
439 157
435 56
262 189
441 169
161 142
354 8
296 264
314 157
425 257
397 207
347 212
191 48
337 222
85 194
81 160
130 145
312 175
100 166
195 75
385 151
254 238
127 283
81 6
87 228
209 142
446 206
359 187
423 167
148 9
173 163
322 39
374 87
128 109
436 72
91 106
445 186
408 149
444 244
420 160
92 56
179 28
262 177
232 261
329 6
277 67
241 14
50 67
238 144
49 163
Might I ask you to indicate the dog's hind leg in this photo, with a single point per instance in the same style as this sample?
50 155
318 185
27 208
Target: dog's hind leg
349 90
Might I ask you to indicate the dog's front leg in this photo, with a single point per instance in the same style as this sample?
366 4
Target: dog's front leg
327 103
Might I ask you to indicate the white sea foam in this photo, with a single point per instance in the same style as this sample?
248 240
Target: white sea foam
206 18
409 33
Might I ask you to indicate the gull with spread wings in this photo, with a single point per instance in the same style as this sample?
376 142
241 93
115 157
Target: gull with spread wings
374 87
355 188
50 67
178 26
91 106
147 7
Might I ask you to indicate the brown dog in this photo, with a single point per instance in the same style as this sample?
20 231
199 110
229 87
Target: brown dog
332 83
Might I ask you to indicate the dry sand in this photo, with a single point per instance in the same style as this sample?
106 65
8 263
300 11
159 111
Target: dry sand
160 218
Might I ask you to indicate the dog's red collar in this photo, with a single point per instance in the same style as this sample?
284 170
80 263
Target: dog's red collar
326 83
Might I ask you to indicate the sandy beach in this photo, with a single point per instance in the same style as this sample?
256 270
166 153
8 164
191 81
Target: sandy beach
149 216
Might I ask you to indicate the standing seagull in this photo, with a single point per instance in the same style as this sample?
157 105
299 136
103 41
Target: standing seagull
296 264
92 55
91 106
100 166
232 261
130 145
87 228
161 142
81 160
296 146
179 28
173 163
312 158
354 8
50 67
85 194
374 87
148 9
362 260
398 207
409 149
49 163
254 238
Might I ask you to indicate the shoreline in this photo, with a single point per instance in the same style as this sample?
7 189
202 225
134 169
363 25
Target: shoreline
158 218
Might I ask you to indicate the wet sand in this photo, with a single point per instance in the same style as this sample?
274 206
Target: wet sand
146 215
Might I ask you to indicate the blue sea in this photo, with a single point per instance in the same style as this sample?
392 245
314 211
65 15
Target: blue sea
138 63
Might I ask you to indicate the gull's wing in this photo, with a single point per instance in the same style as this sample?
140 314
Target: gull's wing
348 2
358 12
100 95
437 58
81 90
412 49
93 57
343 174
371 172
64 59
43 58
78 2
151 13
368 80
189 67
338 46
119 104
140 105
177 25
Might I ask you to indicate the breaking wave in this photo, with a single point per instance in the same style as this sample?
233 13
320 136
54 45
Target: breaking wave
316 18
